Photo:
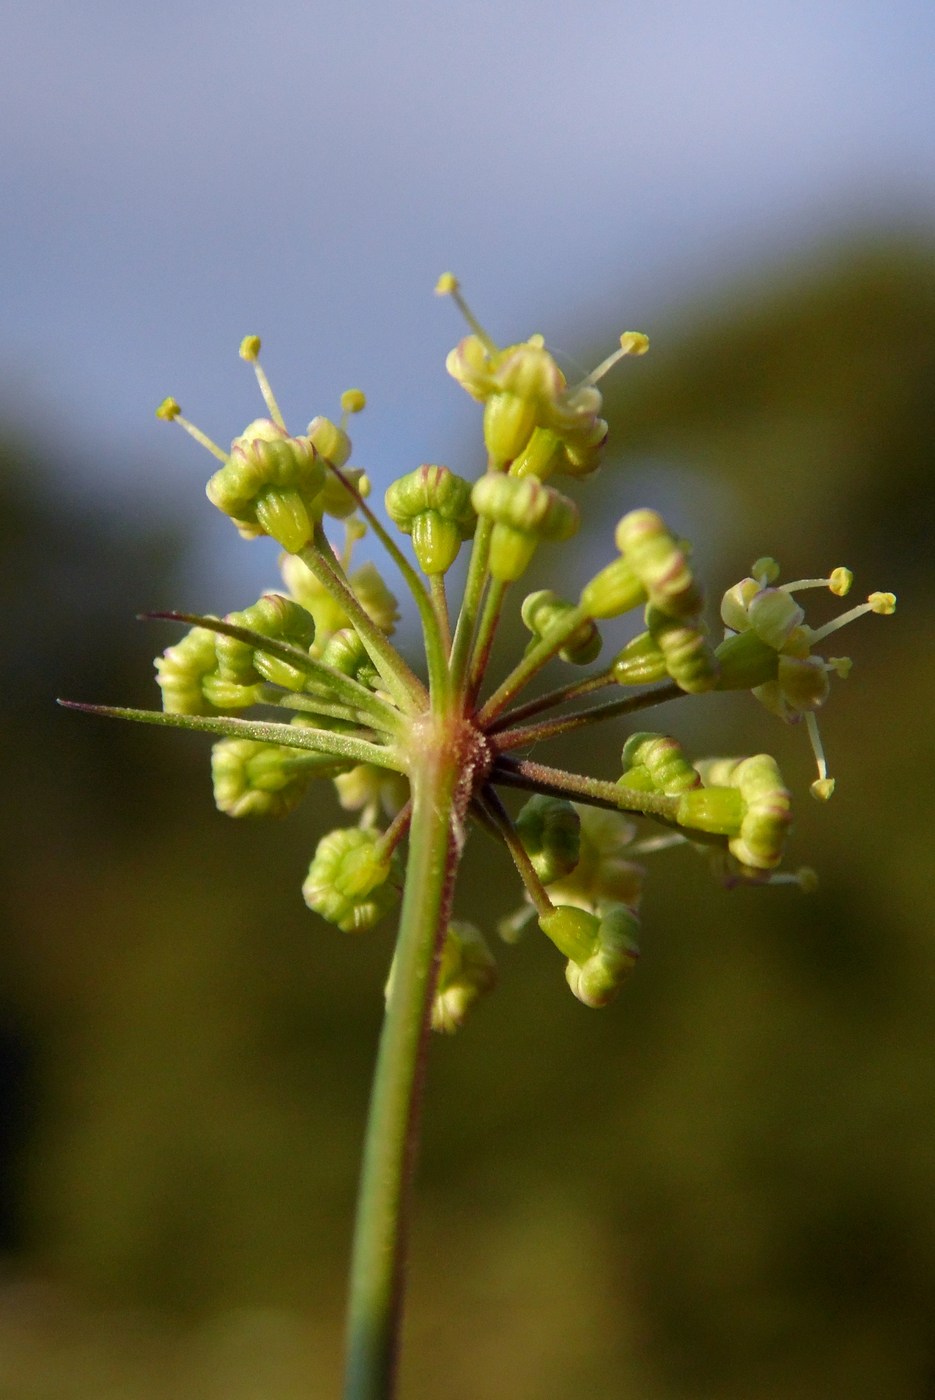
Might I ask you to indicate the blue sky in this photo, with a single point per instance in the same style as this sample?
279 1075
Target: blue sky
176 176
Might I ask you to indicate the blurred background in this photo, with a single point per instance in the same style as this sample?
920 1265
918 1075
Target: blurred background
724 1185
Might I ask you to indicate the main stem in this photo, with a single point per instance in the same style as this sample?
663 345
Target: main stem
376 1287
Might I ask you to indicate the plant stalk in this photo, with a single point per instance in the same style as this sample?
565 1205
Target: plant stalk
378 1259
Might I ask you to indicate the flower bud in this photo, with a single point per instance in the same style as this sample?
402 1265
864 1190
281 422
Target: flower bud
466 973
516 385
799 684
660 758
762 808
350 882
433 506
615 590
375 597
745 661
367 788
604 873
683 643
275 617
269 485
659 563
544 610
345 652
524 512
188 677
597 979
573 931
550 830
774 615
640 662
264 780
329 441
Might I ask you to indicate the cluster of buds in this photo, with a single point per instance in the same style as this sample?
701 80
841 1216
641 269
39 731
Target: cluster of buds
330 697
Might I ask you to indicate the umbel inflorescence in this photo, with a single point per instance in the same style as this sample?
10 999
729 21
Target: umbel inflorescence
342 704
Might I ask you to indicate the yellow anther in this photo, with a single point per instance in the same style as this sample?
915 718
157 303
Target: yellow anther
353 400
446 285
168 410
840 581
634 343
250 348
884 604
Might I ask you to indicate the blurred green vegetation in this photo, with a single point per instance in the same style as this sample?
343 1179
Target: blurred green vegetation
723 1186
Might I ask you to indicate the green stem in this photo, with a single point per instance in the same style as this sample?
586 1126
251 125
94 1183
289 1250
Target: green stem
436 650
539 777
440 604
573 691
312 705
521 737
498 819
531 664
470 602
486 631
376 1288
402 683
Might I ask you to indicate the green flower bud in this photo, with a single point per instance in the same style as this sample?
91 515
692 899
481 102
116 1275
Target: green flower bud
542 456
329 441
544 610
367 788
774 615
270 484
603 873
745 661
661 759
187 675
516 386
762 808
800 684
305 588
350 882
640 662
597 979
376 599
768 813
615 590
346 653
433 506
264 780
717 810
335 499
659 563
275 617
524 512
683 643
550 830
574 931
466 973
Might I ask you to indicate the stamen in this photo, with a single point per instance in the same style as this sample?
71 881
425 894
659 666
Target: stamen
823 786
883 604
805 877
765 570
839 583
656 843
352 401
449 286
170 412
250 351
631 343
